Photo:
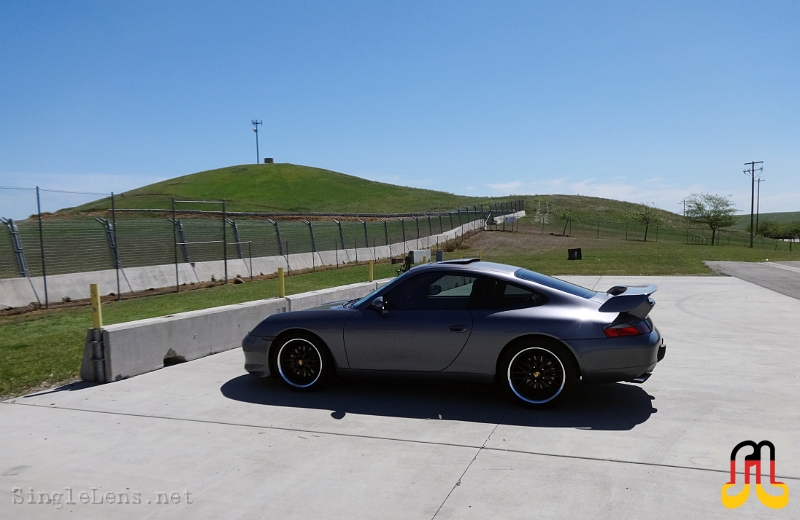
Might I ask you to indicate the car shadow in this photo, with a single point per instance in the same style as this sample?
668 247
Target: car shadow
615 406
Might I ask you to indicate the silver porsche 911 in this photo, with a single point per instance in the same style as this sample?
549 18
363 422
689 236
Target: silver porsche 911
535 335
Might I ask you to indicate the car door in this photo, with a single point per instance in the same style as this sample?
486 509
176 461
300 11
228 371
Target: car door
425 325
501 311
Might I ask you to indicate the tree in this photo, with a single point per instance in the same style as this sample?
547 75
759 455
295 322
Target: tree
567 216
712 210
646 214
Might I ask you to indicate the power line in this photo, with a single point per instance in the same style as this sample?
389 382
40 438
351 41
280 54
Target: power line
752 173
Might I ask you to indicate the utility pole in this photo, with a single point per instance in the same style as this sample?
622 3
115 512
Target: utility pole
758 200
255 124
684 206
752 173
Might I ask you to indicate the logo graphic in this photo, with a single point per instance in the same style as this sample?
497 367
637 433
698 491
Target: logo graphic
753 461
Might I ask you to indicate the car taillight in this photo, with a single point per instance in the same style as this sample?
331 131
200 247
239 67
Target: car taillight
626 328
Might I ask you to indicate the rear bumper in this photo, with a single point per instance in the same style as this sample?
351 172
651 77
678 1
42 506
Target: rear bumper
632 360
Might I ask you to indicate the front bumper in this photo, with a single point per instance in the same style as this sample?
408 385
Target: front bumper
256 355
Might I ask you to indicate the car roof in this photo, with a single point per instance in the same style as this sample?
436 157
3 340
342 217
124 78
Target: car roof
472 264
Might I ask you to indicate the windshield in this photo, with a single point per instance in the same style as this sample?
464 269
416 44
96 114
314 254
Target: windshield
554 283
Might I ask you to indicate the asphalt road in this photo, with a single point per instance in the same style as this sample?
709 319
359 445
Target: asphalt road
212 442
781 277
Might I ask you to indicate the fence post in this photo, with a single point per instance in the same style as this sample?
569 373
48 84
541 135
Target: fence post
116 251
281 284
341 235
403 227
366 237
277 235
250 254
236 238
16 244
225 239
175 245
371 270
41 247
181 235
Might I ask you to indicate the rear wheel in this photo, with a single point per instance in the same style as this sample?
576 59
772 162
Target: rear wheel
538 376
302 362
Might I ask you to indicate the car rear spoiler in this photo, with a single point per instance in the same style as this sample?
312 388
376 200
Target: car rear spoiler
633 299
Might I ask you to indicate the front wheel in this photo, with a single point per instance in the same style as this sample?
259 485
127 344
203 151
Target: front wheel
303 362
538 376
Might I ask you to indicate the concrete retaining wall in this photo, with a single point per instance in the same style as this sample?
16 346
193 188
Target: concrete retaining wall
19 292
136 347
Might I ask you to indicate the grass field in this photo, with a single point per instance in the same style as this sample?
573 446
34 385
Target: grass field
45 347
610 256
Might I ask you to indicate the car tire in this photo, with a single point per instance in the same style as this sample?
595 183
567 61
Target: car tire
537 375
302 362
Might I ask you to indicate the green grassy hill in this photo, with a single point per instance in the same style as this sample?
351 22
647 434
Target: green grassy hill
782 218
295 188
591 208
285 188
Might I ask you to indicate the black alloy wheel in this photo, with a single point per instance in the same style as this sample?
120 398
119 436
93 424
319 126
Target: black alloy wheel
538 376
302 363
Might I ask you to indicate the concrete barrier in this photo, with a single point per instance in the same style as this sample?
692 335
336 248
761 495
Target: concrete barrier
19 292
127 349
307 300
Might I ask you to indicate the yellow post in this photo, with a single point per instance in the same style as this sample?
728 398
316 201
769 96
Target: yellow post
281 285
97 311
371 271
480 254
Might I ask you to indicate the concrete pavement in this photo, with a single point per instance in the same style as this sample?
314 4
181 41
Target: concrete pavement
781 277
213 442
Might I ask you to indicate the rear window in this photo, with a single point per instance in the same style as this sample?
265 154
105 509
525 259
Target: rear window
554 283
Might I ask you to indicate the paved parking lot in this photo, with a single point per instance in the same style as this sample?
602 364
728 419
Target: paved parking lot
212 442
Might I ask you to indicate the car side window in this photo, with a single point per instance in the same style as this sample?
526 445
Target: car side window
492 293
432 291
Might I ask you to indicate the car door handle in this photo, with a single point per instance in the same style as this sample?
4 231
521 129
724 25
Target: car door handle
458 328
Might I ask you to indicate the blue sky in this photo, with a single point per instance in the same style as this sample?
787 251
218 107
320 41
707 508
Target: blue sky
640 101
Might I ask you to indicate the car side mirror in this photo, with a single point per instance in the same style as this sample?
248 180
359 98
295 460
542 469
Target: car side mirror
378 304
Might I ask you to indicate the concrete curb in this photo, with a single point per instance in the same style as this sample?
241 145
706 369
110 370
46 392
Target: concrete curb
132 348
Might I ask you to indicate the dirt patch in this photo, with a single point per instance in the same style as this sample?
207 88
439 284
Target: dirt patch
524 241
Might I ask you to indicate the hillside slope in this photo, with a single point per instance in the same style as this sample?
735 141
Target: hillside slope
296 189
285 188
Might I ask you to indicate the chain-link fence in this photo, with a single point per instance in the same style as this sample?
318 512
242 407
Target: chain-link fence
689 234
52 244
